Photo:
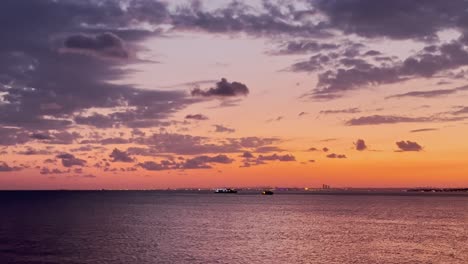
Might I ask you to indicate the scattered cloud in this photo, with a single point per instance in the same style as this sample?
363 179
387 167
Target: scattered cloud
285 157
360 145
32 151
47 171
223 129
107 45
423 130
198 162
120 156
336 156
391 119
303 47
69 160
462 111
430 94
404 146
196 117
4 167
276 119
341 111
223 89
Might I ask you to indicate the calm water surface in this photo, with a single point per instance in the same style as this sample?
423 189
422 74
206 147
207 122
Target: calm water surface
171 227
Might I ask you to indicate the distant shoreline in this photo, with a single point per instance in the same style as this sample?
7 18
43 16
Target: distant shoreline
290 191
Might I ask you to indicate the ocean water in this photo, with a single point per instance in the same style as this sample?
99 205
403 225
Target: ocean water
183 227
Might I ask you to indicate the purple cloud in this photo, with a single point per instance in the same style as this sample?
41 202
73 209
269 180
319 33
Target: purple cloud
69 160
360 145
408 146
223 89
336 156
107 45
223 129
341 111
196 117
4 167
120 156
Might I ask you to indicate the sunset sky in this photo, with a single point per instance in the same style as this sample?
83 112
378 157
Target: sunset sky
171 94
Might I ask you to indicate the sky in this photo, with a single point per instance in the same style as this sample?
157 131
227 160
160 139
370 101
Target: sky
145 94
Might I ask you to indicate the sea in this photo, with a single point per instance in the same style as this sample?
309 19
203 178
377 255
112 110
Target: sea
202 227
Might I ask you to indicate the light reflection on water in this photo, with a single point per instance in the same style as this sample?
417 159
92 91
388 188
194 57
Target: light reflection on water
170 227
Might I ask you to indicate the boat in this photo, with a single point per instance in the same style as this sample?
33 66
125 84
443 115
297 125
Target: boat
267 192
225 190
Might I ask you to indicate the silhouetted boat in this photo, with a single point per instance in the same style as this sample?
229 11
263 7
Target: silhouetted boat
267 192
225 190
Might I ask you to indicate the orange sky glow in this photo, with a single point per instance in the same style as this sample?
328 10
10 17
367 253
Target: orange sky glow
163 97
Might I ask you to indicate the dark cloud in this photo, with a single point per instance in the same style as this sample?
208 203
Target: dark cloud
62 138
103 45
114 141
328 139
184 144
325 149
69 160
276 119
4 167
199 162
271 19
336 156
315 63
250 160
179 144
267 149
202 162
303 47
47 89
47 171
408 146
196 117
398 19
276 157
138 133
155 166
431 93
223 129
360 145
462 111
255 142
423 130
223 89
86 148
357 74
247 155
372 53
341 111
120 156
97 120
41 136
32 151
13 136
379 120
